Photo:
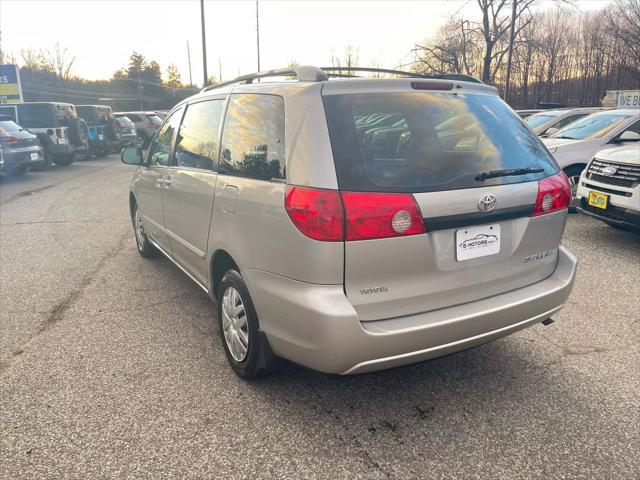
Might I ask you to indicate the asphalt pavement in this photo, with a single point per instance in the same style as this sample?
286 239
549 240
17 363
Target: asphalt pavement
111 367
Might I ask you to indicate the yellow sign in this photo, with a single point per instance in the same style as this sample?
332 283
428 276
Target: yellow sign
10 89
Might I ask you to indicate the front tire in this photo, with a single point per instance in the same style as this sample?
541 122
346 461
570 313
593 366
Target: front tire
247 349
145 247
573 174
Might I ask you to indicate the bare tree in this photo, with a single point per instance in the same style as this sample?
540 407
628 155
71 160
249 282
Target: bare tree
59 60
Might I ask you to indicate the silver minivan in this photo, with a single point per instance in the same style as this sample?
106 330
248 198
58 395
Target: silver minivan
355 224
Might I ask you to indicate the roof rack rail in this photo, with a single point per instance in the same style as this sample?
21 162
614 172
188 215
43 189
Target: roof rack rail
309 73
442 76
304 73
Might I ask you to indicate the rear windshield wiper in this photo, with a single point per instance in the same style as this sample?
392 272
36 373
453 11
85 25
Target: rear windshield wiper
506 173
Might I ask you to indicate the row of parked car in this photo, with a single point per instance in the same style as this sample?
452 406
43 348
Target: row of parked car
599 150
35 135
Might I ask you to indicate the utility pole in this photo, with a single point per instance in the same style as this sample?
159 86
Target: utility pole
189 58
512 37
140 99
258 33
204 45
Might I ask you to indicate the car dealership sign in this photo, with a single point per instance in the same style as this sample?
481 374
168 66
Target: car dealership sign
10 89
622 99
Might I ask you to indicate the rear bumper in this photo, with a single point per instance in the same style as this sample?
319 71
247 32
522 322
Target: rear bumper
316 326
22 156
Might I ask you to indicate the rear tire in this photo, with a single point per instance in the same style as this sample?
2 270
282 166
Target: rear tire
64 160
247 349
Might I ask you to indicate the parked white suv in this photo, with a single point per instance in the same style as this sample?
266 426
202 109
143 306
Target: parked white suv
340 225
574 145
609 187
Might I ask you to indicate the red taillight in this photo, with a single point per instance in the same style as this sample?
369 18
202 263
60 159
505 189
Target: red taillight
324 214
381 215
7 139
554 193
316 213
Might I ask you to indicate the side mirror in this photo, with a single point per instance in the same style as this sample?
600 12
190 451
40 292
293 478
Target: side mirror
132 156
628 136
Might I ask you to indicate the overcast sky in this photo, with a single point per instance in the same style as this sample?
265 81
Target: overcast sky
102 34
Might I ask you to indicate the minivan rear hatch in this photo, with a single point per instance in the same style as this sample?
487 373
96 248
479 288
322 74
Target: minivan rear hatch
476 175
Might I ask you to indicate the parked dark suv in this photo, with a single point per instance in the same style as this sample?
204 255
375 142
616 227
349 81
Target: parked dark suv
62 134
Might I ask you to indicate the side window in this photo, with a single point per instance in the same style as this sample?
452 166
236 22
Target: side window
567 120
197 142
9 112
253 138
634 128
160 149
134 118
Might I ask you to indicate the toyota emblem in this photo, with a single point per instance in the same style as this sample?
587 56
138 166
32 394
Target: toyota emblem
609 170
487 202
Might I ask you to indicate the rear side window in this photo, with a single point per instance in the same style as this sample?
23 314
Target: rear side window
36 115
134 118
197 142
253 138
423 142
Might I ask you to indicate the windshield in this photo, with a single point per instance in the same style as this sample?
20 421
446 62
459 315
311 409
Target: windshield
538 119
592 126
429 141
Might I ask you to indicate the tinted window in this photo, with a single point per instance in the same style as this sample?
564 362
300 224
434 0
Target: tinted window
634 128
134 118
570 119
36 115
253 138
197 143
428 142
538 119
160 149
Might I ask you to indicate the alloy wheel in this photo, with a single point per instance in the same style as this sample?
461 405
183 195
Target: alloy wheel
234 324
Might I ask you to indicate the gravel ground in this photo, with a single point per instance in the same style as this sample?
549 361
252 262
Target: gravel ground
110 366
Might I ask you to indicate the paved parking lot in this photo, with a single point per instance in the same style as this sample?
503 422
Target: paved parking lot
110 366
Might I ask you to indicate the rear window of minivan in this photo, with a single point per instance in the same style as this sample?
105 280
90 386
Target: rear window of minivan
422 142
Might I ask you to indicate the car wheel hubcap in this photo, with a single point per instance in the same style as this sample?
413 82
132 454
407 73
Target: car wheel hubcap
234 324
139 230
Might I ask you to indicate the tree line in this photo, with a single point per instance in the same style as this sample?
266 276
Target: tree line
558 55
46 75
